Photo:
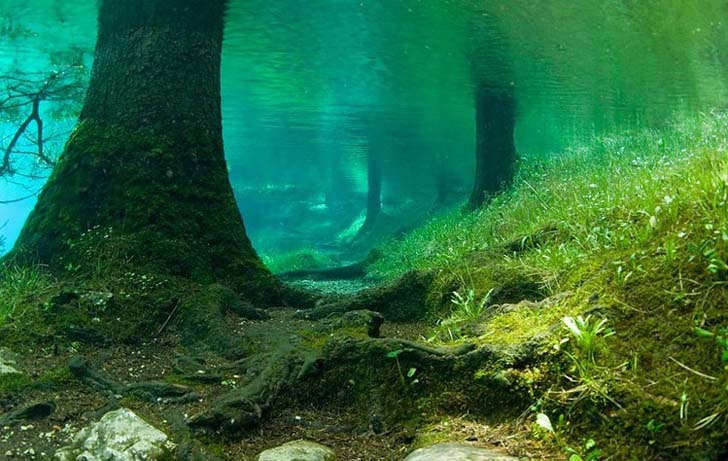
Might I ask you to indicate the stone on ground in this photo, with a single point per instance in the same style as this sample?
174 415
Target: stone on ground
8 363
119 435
457 452
298 450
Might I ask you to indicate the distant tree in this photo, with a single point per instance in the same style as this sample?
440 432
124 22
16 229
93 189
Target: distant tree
494 94
495 152
374 189
30 152
146 157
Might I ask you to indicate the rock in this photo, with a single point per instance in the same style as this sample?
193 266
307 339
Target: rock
298 450
6 369
120 435
457 452
8 363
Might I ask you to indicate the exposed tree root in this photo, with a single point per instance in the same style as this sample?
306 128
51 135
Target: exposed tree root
245 407
151 391
29 412
284 372
350 272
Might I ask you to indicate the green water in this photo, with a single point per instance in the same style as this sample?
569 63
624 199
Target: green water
309 88
500 224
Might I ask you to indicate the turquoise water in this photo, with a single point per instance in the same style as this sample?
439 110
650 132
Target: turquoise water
309 88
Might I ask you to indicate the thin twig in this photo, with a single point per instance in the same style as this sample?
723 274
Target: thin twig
702 375
171 314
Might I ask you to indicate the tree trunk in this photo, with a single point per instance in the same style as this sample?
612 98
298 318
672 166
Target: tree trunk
374 189
495 149
145 166
444 187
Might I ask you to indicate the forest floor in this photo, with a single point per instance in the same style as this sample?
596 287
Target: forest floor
341 427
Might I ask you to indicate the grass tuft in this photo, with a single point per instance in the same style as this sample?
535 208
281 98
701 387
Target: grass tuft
19 286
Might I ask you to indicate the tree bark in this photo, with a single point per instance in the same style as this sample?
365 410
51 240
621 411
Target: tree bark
145 163
495 148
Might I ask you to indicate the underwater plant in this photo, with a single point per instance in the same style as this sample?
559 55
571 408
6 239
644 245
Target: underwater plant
467 309
588 334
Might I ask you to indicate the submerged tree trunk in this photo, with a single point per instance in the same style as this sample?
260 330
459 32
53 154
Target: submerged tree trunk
445 187
145 166
495 148
374 189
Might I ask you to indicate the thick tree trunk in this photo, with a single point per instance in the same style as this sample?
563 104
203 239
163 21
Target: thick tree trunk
495 148
145 164
374 191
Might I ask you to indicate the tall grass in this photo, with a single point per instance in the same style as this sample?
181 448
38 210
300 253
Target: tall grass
18 286
662 191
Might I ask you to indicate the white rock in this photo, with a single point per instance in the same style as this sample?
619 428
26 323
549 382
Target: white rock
8 370
457 452
7 362
298 450
119 435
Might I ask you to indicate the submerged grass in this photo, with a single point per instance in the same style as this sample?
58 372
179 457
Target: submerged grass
614 194
596 216
19 286
300 259
632 229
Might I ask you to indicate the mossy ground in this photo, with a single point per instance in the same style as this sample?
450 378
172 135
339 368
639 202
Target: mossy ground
632 229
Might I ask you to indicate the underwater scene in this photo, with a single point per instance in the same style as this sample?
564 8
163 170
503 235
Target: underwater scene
401 230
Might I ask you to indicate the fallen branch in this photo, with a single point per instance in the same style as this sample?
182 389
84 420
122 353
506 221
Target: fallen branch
169 317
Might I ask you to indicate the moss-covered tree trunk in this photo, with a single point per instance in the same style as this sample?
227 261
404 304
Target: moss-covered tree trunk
145 163
495 151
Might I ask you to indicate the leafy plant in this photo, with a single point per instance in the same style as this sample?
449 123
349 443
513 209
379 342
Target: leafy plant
467 308
410 373
654 428
720 336
590 451
588 334
229 383
684 405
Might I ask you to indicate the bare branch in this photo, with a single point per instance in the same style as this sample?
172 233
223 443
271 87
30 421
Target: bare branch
29 90
20 199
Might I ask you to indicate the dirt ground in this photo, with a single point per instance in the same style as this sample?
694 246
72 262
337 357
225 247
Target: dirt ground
76 404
